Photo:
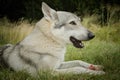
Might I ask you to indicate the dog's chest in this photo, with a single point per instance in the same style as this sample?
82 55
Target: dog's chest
52 60
60 54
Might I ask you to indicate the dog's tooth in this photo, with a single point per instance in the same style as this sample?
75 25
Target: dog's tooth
82 44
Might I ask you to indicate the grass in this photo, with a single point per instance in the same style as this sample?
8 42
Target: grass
104 49
14 32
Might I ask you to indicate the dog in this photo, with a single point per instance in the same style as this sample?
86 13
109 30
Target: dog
45 47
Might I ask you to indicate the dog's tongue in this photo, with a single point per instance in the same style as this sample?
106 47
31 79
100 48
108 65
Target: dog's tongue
77 43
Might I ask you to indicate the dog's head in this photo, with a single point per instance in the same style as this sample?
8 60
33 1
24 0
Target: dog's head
66 26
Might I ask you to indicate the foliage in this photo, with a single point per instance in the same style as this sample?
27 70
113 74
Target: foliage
109 11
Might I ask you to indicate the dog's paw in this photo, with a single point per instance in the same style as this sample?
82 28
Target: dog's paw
99 67
100 73
96 67
92 67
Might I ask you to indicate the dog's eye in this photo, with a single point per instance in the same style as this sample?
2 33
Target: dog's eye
73 23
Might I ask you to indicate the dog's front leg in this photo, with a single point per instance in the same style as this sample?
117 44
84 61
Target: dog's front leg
78 70
79 63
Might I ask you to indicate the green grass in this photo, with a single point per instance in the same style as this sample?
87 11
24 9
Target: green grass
104 49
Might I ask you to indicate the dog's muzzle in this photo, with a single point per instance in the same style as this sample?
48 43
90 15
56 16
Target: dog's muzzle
78 43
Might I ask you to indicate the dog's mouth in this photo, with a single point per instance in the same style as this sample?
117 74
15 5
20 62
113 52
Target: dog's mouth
77 43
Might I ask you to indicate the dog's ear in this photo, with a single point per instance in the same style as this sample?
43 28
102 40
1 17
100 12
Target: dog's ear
49 13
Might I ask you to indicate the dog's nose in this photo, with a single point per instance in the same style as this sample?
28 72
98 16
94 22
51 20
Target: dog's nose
90 35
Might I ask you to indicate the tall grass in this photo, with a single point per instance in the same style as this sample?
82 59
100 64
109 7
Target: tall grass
104 49
14 32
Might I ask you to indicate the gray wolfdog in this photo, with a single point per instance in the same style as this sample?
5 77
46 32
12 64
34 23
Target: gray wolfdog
45 47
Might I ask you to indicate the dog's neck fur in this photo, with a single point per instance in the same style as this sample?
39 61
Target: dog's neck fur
45 26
